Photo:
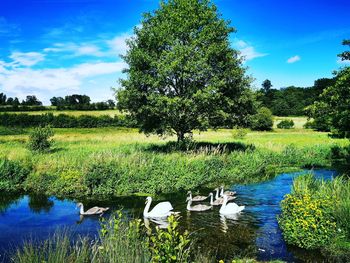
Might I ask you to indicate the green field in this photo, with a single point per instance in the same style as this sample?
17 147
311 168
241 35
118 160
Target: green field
112 161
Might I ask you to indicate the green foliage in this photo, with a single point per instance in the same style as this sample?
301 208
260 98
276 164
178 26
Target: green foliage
12 175
262 120
346 54
169 245
317 214
40 139
183 73
122 241
285 124
332 109
239 133
64 121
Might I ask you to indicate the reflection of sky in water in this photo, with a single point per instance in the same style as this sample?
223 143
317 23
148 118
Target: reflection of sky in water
263 201
253 233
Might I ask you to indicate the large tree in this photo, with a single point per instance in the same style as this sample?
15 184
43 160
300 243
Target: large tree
183 73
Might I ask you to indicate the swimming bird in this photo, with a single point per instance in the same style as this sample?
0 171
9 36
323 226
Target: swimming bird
196 208
229 193
197 198
216 202
231 208
161 210
217 197
92 211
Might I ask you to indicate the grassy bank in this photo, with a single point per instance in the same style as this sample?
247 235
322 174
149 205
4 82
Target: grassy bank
316 215
110 161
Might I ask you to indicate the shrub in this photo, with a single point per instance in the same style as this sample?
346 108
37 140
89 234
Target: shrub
12 175
286 124
40 139
239 133
170 246
262 120
306 221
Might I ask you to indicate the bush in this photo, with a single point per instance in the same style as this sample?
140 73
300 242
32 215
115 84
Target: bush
262 121
170 246
239 134
12 175
306 221
40 139
286 124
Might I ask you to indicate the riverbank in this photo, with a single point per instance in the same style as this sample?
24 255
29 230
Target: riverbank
104 162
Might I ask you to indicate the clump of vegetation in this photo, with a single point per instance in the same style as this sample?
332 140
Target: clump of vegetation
316 215
285 124
12 175
40 139
170 246
262 120
239 133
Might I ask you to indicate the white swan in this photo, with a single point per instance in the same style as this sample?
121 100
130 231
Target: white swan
196 208
231 208
197 198
229 193
161 210
217 197
92 211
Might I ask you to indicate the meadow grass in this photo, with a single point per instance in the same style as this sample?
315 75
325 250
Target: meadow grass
118 161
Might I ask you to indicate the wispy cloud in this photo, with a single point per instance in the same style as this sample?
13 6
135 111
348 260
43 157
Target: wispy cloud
247 51
75 50
293 59
26 59
118 43
7 28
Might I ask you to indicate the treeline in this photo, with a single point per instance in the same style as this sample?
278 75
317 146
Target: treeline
291 101
69 102
80 102
65 121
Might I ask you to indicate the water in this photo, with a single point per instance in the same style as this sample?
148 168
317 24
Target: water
254 233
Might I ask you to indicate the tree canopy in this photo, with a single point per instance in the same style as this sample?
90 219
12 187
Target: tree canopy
182 73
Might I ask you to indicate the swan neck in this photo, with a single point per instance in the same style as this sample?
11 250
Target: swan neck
222 192
145 211
211 200
189 204
82 209
217 194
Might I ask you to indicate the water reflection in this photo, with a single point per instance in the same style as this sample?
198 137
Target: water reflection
40 203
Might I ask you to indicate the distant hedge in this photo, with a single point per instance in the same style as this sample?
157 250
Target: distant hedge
64 121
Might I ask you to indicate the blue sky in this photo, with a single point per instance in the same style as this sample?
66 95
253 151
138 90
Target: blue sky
59 47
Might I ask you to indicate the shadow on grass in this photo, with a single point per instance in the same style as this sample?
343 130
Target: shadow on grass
12 131
200 147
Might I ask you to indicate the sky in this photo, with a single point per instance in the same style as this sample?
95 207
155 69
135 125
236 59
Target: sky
59 47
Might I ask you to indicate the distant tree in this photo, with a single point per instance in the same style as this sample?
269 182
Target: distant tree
16 102
333 107
322 84
77 99
111 103
2 99
9 101
57 101
31 100
183 73
346 54
267 85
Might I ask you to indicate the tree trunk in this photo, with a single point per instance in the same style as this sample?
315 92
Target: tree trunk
180 136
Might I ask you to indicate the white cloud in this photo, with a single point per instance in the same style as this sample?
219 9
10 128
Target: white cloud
118 43
339 61
26 59
26 80
247 51
84 49
293 59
